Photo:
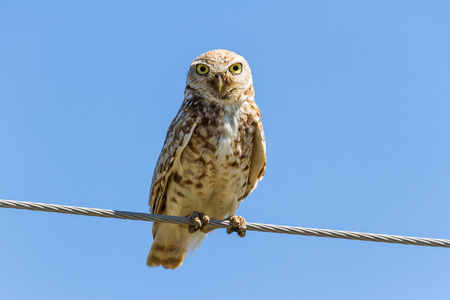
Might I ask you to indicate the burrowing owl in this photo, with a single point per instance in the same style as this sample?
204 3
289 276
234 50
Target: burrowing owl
213 156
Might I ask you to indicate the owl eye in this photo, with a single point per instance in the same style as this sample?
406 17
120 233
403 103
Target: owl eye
202 69
236 68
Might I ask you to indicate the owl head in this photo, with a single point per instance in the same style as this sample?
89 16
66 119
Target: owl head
219 75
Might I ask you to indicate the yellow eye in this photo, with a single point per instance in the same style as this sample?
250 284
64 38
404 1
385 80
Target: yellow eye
202 69
236 68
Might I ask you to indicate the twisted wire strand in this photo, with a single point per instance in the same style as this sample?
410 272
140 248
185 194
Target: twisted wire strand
107 213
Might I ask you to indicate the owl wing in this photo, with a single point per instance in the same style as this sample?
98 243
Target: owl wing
258 160
178 136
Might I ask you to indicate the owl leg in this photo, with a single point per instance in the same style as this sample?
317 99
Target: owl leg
200 221
239 225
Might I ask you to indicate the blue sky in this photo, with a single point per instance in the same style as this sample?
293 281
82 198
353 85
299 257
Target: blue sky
355 98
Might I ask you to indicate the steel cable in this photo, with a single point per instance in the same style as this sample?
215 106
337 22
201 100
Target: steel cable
107 213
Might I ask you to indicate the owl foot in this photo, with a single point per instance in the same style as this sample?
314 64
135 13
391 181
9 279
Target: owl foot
239 225
200 222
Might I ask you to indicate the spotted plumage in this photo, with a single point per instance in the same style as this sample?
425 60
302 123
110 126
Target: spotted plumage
213 156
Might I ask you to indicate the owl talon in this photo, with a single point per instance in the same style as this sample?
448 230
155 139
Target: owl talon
239 225
205 220
200 221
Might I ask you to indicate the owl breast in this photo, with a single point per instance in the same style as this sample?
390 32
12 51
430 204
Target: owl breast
212 176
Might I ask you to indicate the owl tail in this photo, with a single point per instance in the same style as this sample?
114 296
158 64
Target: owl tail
171 244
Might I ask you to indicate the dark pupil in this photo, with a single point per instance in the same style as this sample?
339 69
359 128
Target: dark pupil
202 69
235 68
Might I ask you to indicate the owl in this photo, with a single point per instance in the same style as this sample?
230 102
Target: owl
214 155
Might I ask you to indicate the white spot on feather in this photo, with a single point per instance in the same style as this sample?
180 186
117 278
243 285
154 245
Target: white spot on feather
229 132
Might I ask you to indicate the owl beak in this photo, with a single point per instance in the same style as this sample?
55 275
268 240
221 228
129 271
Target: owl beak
220 84
219 80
